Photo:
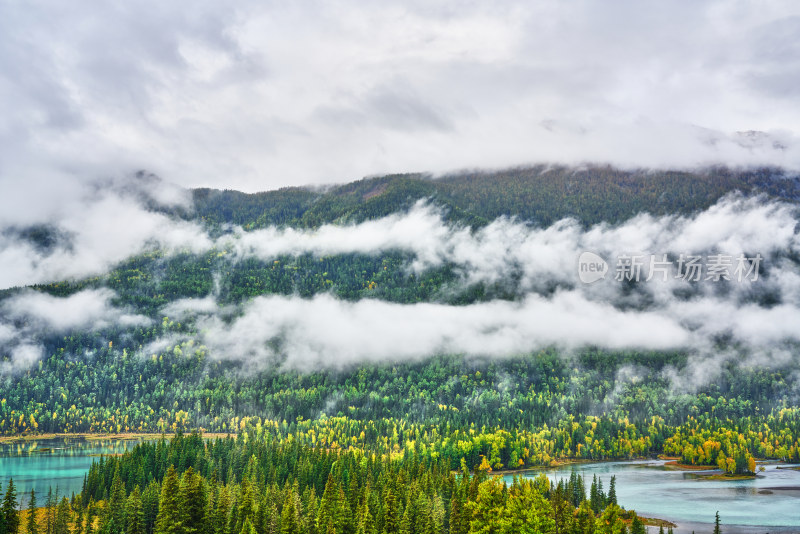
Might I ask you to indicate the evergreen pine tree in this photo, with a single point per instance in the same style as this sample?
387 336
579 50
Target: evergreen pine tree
90 517
562 512
424 515
150 497
717 529
391 514
456 506
584 519
78 522
365 523
344 517
612 491
50 510
601 495
329 505
409 521
637 527
438 514
247 504
116 505
191 501
247 527
289 515
168 520
210 508
10 521
32 526
221 512
61 524
310 506
134 515
595 499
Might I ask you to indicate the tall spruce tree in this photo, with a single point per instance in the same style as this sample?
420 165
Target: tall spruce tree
61 523
290 520
391 514
191 501
168 520
32 527
10 521
134 515
612 490
116 505
637 527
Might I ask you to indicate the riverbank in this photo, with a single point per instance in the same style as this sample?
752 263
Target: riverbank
727 477
673 464
123 436
656 522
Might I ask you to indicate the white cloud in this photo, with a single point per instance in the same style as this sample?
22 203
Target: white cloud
188 306
325 332
734 226
28 316
653 315
88 309
94 234
23 356
553 309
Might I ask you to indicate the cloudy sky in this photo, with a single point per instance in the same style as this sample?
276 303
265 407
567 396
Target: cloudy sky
258 95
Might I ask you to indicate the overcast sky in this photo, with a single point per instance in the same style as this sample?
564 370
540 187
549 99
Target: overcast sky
260 95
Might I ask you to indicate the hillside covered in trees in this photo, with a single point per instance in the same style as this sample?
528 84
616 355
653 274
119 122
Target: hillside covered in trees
368 441
541 195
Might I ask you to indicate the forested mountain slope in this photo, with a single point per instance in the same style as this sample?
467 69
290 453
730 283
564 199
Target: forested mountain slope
541 195
399 312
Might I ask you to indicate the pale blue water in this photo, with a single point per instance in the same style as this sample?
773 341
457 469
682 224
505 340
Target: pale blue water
58 463
691 502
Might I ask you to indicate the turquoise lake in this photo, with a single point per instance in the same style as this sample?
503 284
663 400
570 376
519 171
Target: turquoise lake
768 503
59 463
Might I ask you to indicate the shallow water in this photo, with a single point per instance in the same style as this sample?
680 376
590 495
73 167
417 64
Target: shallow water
770 500
58 463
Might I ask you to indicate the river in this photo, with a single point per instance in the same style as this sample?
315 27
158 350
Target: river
768 503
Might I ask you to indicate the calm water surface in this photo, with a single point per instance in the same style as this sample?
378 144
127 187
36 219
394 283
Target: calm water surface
770 500
58 463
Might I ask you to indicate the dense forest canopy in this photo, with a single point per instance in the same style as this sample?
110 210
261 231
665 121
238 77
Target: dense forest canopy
541 195
186 339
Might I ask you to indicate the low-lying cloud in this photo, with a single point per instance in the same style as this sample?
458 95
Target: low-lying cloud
553 307
27 317
325 332
94 227
90 309
540 257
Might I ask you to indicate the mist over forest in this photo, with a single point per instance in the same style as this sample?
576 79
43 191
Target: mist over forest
347 268
476 266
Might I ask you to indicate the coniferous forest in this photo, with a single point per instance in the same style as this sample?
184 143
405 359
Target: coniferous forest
375 445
